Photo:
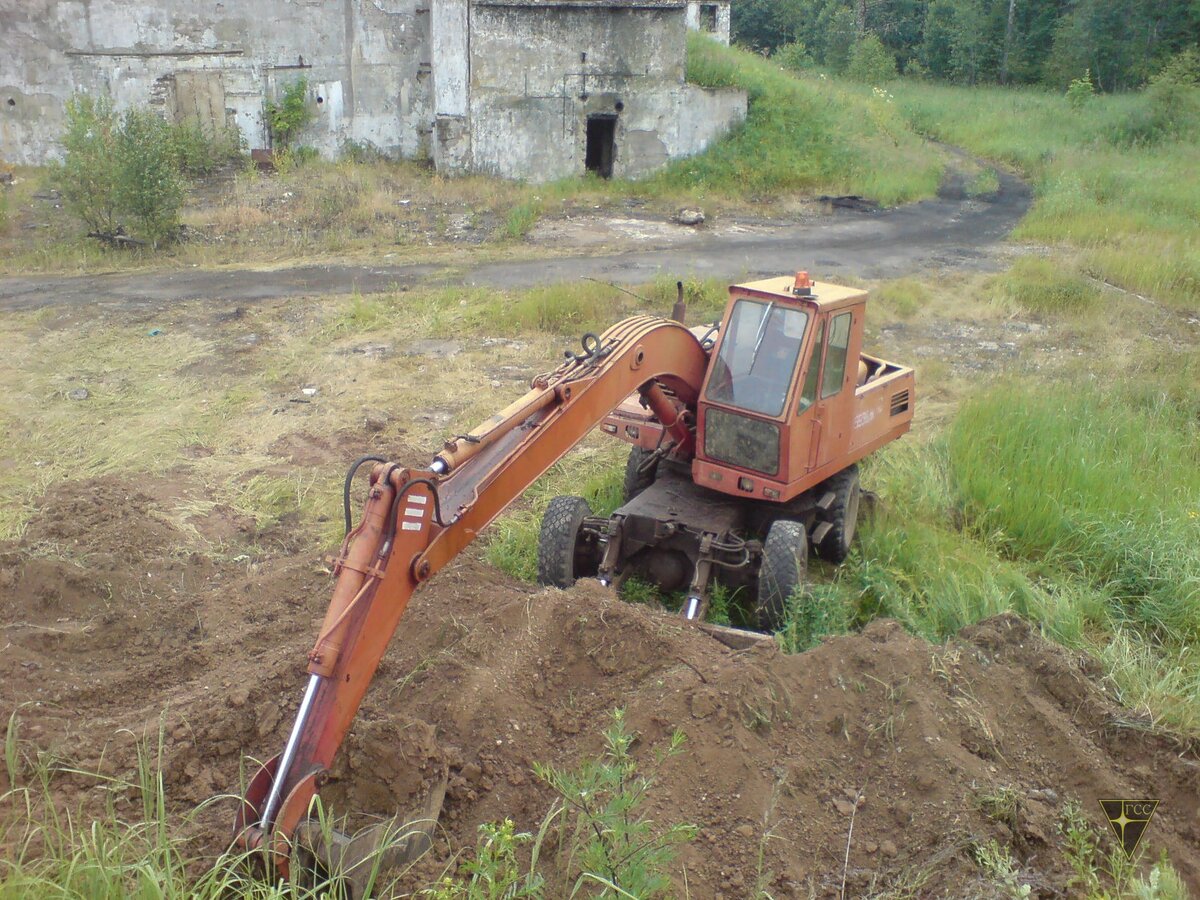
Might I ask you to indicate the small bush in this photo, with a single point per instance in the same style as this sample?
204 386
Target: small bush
495 873
287 118
361 152
521 218
292 158
794 57
1174 98
902 297
1182 68
619 851
914 71
814 611
1080 91
871 62
198 153
87 178
149 188
120 172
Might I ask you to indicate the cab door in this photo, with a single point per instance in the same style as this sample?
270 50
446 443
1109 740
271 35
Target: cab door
826 399
807 428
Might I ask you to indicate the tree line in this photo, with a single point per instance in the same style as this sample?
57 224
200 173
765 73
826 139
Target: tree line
1119 44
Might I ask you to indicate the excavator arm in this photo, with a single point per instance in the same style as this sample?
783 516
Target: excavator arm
417 521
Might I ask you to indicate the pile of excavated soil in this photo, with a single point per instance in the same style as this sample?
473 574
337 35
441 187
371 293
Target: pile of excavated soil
109 631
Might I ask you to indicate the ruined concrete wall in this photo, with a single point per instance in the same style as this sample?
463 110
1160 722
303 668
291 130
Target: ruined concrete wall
709 17
539 70
367 63
704 115
450 43
498 86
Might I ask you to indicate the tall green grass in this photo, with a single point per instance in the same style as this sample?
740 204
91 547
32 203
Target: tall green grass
1093 486
1126 196
1075 507
801 136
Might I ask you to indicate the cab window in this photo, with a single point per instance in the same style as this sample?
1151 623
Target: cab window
835 358
757 359
809 393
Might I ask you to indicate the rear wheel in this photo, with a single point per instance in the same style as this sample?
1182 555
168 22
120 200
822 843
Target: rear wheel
842 515
564 553
638 475
784 564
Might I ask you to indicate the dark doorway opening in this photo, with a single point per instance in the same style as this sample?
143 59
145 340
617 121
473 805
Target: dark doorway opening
601 144
708 18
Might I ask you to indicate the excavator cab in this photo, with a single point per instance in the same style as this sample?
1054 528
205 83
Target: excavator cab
779 376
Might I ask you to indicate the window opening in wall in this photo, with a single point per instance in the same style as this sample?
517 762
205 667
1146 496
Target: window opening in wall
708 18
601 144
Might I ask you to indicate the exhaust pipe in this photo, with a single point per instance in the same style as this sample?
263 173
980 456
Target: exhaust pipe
679 312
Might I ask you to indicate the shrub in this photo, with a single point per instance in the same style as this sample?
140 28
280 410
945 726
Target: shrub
793 57
1044 286
197 153
1182 68
870 61
149 188
120 172
521 218
1081 90
361 152
1174 106
915 71
1170 107
87 178
292 158
290 115
1174 94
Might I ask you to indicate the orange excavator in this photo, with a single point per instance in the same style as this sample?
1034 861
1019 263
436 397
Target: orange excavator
746 434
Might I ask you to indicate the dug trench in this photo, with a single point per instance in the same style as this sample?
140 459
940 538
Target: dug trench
863 763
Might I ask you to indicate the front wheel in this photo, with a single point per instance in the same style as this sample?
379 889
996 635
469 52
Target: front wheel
564 554
784 565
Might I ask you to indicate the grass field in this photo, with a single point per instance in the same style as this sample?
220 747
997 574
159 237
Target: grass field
1125 204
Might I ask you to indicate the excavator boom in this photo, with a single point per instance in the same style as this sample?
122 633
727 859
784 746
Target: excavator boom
416 521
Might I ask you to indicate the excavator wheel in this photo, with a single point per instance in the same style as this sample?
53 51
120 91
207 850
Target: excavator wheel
784 564
638 476
842 516
564 555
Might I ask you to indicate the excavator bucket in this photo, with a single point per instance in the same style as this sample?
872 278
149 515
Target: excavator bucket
359 863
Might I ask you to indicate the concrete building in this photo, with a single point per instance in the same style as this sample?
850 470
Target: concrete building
533 89
711 18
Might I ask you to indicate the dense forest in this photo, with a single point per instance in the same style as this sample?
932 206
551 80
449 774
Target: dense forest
1120 44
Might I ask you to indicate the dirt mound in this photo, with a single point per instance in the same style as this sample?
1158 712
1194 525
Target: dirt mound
105 629
779 747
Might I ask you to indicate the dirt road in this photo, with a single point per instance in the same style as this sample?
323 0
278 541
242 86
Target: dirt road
951 230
